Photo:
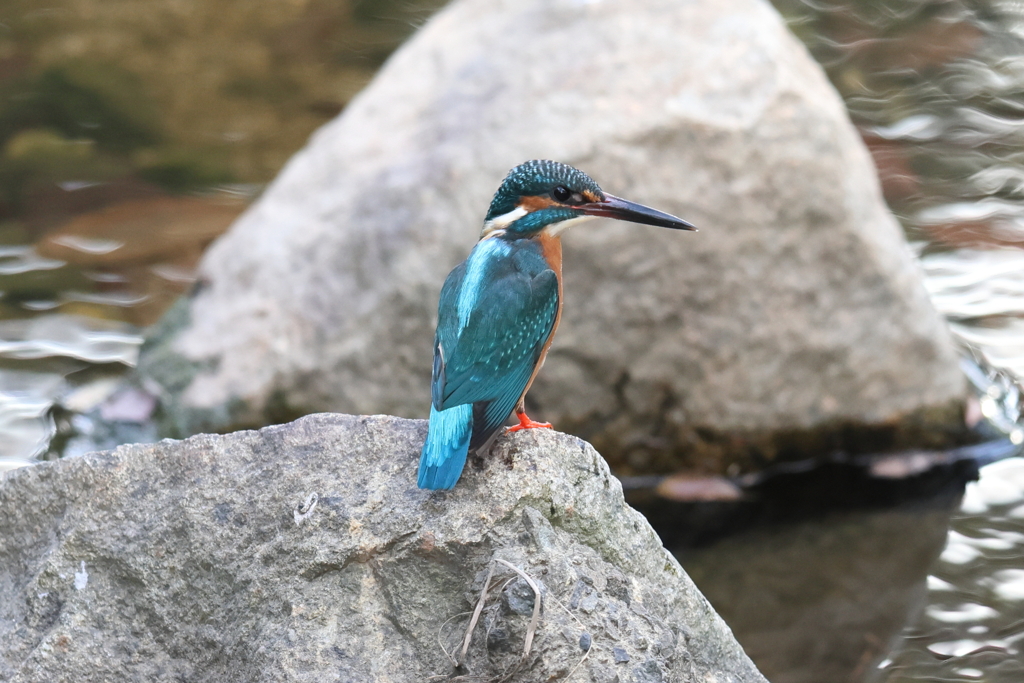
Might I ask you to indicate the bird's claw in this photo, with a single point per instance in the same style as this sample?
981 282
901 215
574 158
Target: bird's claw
526 423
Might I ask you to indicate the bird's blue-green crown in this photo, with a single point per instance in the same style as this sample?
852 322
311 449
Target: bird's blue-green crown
544 180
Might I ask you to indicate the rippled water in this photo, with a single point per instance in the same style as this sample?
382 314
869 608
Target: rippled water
936 89
973 626
58 345
124 150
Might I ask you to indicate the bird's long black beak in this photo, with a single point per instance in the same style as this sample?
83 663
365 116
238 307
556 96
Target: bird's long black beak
624 210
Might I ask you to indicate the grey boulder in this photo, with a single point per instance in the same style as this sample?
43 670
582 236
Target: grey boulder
305 552
797 308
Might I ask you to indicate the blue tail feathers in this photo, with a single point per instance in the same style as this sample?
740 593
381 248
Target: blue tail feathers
444 453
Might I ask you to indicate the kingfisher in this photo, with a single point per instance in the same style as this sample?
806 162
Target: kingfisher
499 310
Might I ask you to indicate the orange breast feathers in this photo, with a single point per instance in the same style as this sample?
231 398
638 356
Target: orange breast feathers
551 247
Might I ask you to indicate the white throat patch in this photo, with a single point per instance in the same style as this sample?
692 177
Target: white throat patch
556 229
501 222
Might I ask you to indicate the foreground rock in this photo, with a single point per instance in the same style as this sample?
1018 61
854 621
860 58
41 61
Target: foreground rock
305 552
796 309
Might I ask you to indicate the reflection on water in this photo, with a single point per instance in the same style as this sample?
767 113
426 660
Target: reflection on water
50 347
937 90
823 599
973 626
25 401
929 590
44 351
87 339
981 293
131 135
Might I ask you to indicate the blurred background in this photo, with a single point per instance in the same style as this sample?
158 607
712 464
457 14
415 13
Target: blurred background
133 133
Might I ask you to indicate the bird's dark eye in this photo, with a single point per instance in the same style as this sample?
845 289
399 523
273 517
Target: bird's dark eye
561 193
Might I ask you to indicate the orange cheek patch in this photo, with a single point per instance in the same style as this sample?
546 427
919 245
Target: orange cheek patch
590 196
536 203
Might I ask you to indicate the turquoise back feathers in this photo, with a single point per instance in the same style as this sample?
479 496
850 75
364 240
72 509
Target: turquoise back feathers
496 313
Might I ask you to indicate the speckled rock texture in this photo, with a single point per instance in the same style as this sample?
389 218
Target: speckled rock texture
305 552
798 306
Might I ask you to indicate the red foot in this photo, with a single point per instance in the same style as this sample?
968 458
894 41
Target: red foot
526 423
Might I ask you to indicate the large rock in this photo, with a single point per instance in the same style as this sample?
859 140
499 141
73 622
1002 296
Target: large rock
305 552
797 309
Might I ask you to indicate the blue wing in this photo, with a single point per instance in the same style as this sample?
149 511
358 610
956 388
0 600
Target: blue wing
497 312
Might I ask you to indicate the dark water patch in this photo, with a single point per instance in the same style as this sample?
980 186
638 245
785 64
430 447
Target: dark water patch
823 599
793 492
818 569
